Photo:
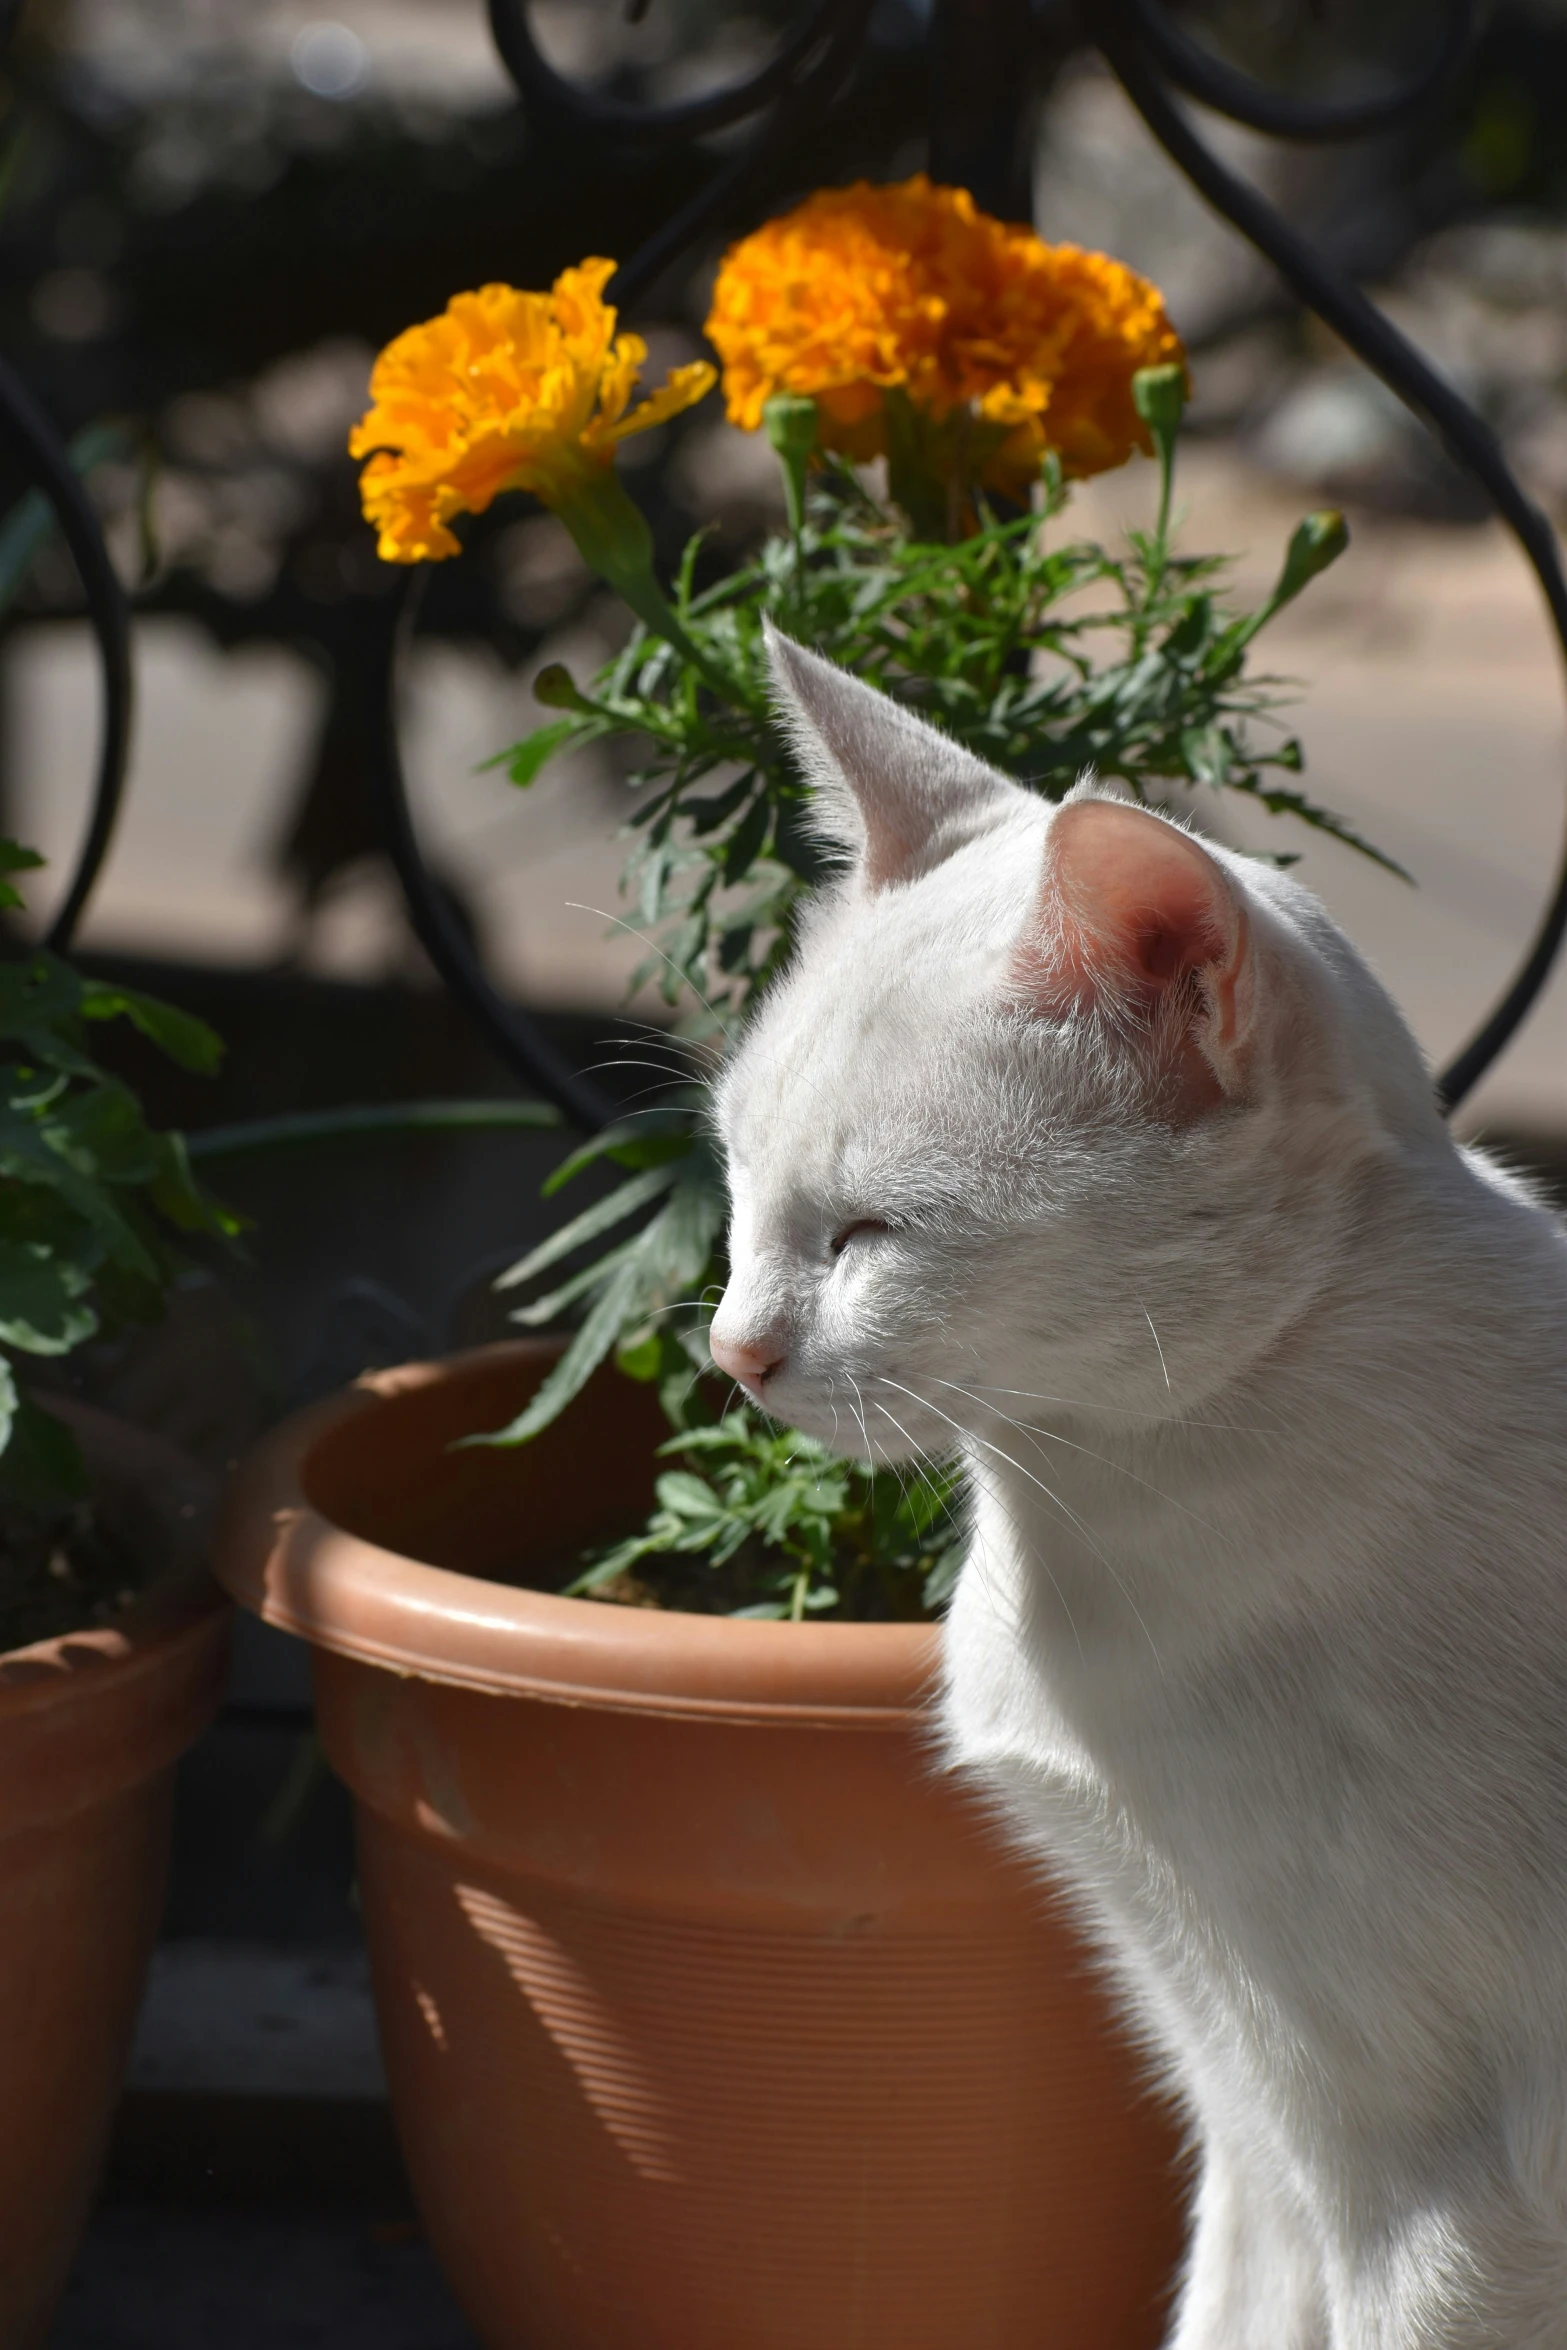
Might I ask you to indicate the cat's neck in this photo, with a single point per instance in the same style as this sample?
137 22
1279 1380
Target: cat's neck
1351 1433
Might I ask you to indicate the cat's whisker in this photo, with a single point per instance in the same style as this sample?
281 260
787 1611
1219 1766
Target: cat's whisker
974 1437
979 1480
652 1033
619 923
671 1076
859 1414
1081 1403
886 1413
1049 1436
1163 1365
895 1468
690 1383
667 1082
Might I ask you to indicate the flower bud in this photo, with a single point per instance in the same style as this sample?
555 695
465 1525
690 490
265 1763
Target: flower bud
1159 396
790 419
554 688
1317 542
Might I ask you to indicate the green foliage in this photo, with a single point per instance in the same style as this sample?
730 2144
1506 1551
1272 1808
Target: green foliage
93 1200
791 1529
1044 657
1042 654
624 1292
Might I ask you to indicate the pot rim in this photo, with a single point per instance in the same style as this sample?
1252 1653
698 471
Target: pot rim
284 1560
171 1613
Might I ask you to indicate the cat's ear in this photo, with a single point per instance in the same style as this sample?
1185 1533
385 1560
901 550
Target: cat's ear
1135 916
894 793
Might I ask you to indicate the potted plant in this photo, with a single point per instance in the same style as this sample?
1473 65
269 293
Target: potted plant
713 2013
112 1637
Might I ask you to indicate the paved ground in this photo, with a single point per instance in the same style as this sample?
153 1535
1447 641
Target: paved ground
1430 704
154 2278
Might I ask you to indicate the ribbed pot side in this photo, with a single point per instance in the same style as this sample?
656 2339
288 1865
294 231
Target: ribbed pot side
714 2015
90 1727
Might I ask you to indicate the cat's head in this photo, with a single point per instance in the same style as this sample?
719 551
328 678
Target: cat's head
1052 1100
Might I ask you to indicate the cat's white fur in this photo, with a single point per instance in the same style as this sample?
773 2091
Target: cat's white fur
1262 1387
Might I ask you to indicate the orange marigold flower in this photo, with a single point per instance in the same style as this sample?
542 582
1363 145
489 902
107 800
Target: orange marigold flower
863 290
505 390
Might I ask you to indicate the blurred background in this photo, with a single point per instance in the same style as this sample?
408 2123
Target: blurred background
212 213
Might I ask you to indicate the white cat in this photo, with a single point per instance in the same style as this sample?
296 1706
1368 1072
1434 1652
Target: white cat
1100 1154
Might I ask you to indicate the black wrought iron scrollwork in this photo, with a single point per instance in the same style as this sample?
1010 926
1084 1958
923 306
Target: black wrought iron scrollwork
545 91
1154 57
1196 71
799 85
439 929
824 67
1120 29
41 456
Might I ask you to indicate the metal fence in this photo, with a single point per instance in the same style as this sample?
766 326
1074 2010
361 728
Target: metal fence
978 59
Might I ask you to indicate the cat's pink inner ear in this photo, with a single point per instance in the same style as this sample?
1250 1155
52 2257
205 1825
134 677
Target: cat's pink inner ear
1133 908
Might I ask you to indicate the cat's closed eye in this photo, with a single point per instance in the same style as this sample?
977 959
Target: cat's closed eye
861 1228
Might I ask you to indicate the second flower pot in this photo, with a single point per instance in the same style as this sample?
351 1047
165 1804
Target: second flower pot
714 2013
91 1724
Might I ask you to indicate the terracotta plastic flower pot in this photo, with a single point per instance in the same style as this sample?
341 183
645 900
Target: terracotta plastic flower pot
91 1724
716 2018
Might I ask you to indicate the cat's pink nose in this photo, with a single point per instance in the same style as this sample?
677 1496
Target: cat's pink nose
750 1364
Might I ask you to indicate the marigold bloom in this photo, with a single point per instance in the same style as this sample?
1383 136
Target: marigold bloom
505 390
1022 346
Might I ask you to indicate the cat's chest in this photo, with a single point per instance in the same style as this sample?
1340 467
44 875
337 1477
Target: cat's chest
1282 1872
1241 1795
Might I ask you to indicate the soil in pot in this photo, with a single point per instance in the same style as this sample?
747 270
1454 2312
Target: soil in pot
91 1723
714 2013
69 1564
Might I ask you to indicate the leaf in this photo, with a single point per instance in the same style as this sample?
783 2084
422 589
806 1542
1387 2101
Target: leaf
579 1362
41 1466
42 1299
527 760
36 993
686 1495
704 816
188 1042
27 1156
641 1357
105 1135
745 842
15 859
543 1310
176 1194
648 1141
603 1216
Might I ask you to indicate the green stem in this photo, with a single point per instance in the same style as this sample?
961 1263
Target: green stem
653 609
1161 528
1159 396
361 1121
791 421
613 539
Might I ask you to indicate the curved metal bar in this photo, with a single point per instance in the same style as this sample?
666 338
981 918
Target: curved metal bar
24 424
540 85
816 89
512 1034
1207 78
1378 342
806 75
